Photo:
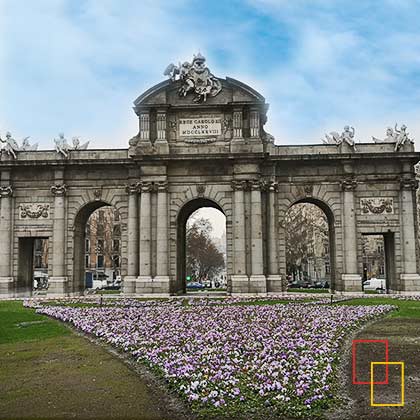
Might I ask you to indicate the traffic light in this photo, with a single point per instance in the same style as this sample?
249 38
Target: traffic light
188 278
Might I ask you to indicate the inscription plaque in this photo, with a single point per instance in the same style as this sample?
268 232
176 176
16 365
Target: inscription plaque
200 126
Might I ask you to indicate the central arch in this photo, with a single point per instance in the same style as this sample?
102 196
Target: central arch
186 211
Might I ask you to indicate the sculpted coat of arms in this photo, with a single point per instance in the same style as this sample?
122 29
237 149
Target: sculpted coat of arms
195 77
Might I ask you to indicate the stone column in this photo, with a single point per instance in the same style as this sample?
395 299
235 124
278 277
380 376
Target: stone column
129 286
57 283
258 283
274 283
144 281
410 279
239 278
351 280
161 281
6 279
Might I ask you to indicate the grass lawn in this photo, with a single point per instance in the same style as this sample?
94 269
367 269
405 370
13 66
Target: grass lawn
48 371
406 308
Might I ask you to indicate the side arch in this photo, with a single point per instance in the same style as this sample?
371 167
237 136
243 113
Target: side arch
331 220
79 246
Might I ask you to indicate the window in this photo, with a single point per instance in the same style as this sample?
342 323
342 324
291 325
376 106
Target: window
116 245
116 261
87 246
327 267
87 261
116 230
101 216
100 229
38 261
117 216
100 263
100 246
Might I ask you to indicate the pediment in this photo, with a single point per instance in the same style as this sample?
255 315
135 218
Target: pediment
167 93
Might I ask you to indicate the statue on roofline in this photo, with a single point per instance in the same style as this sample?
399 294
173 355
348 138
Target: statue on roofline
63 147
347 136
399 137
11 146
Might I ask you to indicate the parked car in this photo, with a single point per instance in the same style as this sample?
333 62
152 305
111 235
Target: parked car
323 284
195 285
294 285
374 284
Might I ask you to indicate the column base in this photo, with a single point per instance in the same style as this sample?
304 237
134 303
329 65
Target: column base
258 284
143 285
129 285
161 284
162 147
274 283
239 284
351 283
6 287
158 286
409 283
57 286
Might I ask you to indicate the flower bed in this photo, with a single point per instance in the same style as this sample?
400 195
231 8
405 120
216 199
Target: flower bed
232 359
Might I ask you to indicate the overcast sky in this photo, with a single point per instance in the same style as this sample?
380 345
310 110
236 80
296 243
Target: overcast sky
76 66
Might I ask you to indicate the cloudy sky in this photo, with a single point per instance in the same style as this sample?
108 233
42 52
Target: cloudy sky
76 66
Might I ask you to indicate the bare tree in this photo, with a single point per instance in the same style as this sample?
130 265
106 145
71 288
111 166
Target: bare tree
204 260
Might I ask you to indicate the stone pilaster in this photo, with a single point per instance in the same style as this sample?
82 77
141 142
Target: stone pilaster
257 280
57 283
351 280
254 123
143 283
274 283
161 142
161 281
129 286
237 123
239 278
410 279
6 279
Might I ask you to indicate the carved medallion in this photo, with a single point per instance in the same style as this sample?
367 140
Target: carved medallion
34 211
376 205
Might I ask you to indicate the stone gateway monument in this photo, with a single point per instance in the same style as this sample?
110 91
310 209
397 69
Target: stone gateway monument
201 143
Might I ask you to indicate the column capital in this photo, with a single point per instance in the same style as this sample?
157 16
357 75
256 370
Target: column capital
240 185
59 189
349 184
6 191
409 183
132 188
272 186
146 186
162 186
257 185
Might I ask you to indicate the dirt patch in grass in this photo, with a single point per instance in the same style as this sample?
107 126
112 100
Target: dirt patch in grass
47 371
403 335
72 378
